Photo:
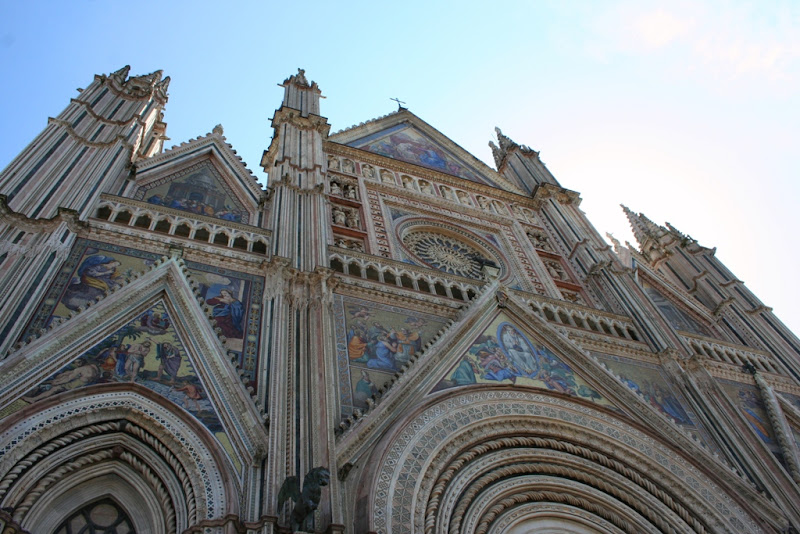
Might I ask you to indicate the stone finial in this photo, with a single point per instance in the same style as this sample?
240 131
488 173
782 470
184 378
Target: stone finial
505 142
120 75
497 153
218 130
139 86
654 240
298 79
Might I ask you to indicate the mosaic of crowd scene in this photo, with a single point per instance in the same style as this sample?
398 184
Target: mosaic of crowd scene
145 351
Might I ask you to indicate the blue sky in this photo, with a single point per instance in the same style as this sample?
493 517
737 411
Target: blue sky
686 111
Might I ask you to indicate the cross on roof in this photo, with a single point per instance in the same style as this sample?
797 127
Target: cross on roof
399 103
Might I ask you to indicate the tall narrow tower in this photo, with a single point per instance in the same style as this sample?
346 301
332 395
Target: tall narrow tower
90 146
298 304
51 187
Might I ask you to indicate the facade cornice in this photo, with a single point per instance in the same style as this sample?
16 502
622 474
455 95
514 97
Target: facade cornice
428 174
412 300
480 217
401 266
287 115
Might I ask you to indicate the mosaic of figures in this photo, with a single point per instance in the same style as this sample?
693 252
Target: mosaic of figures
504 355
94 268
373 342
679 319
146 351
198 190
650 381
746 398
405 143
235 300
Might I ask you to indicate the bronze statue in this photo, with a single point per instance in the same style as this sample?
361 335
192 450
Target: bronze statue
307 501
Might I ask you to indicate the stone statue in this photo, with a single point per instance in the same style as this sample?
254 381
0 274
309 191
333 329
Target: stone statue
351 192
387 177
347 166
305 501
368 171
352 219
335 189
333 163
425 187
339 216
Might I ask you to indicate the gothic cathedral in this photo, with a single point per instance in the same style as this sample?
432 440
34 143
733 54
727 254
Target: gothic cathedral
391 337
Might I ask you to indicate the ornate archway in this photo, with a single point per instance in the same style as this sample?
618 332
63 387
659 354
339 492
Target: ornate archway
501 460
158 465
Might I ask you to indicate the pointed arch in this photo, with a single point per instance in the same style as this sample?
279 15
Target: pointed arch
465 461
160 464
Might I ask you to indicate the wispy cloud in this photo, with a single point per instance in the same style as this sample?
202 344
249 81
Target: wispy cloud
658 28
724 42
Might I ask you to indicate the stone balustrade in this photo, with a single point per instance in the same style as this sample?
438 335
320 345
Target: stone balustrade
403 275
178 223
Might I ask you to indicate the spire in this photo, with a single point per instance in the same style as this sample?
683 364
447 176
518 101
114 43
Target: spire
654 240
643 228
506 148
505 142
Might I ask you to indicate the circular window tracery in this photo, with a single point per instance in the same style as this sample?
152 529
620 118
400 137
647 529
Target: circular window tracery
447 253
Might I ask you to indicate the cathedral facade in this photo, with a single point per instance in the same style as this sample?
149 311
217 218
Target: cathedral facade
391 337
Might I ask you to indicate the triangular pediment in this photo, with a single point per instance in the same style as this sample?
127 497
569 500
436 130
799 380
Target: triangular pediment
499 342
504 354
202 177
405 137
149 333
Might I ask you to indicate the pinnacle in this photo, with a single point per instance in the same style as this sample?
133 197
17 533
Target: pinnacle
505 142
497 153
643 228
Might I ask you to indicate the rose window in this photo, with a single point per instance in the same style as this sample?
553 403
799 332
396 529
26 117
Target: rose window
447 254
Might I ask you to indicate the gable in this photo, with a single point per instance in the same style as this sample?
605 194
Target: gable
149 334
147 351
93 269
504 354
198 189
406 143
